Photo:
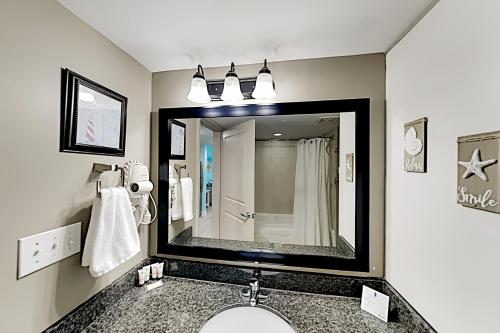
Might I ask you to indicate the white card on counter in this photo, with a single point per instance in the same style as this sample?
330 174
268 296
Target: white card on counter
375 303
154 285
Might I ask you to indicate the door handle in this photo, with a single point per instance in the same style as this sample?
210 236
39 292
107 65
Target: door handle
247 216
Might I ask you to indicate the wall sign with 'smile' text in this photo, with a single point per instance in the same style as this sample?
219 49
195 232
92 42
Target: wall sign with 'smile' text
478 171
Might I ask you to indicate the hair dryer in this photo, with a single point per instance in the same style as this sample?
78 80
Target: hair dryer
139 187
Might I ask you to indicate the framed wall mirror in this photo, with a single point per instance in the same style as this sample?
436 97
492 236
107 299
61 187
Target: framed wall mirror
283 184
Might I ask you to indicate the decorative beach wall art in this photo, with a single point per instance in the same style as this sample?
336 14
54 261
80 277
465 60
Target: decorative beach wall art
93 117
479 171
415 146
177 140
349 167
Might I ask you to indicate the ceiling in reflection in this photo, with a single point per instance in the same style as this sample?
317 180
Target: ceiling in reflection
290 126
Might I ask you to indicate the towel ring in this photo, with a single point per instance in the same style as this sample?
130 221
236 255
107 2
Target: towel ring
98 168
178 168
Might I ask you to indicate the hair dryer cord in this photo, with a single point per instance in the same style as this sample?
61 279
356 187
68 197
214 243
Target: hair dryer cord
156 211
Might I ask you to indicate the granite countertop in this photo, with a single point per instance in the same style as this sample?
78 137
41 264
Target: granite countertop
182 305
186 238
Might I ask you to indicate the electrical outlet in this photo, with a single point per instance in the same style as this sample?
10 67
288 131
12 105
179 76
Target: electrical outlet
43 249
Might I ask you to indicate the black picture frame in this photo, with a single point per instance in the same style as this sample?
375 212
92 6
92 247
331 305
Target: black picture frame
359 263
71 84
171 123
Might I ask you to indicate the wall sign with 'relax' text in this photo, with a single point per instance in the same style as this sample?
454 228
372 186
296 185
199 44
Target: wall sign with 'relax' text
415 146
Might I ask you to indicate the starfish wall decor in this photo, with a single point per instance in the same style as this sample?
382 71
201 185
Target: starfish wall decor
475 166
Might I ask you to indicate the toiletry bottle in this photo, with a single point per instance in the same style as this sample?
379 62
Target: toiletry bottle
141 275
147 271
154 271
159 273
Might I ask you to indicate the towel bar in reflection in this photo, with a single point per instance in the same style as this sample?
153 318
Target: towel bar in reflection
178 168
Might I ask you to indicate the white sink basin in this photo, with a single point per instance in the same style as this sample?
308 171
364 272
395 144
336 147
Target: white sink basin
242 318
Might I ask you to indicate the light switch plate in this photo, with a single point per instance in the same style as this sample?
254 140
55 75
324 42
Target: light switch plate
43 249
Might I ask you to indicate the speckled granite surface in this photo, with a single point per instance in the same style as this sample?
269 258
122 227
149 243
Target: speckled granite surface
186 239
324 284
182 305
86 313
286 280
344 247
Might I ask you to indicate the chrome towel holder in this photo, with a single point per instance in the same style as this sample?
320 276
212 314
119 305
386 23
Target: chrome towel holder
99 168
178 168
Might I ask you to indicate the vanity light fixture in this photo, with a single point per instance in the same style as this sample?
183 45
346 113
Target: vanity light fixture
232 90
264 87
199 92
277 134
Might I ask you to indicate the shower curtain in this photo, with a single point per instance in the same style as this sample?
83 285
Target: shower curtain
311 210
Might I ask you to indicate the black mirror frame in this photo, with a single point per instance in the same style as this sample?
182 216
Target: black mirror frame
362 173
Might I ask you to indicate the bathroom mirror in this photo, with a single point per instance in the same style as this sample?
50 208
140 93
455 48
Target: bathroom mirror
279 183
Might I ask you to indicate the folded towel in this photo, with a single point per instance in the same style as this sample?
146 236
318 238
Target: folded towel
112 237
176 200
187 198
174 192
171 172
172 197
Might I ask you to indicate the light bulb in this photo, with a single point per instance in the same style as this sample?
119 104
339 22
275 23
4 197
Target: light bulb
232 90
198 92
264 87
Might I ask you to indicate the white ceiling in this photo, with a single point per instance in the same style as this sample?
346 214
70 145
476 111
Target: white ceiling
291 126
167 34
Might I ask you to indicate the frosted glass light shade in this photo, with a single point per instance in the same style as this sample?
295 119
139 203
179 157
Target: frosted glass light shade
198 92
264 88
232 90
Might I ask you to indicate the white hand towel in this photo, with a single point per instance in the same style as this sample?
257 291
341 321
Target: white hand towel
176 200
187 198
171 172
112 237
175 207
171 198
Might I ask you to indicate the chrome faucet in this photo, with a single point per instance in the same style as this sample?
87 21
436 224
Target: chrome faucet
254 294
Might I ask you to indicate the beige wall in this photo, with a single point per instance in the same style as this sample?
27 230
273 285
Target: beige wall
192 168
347 199
43 188
192 163
306 80
443 257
